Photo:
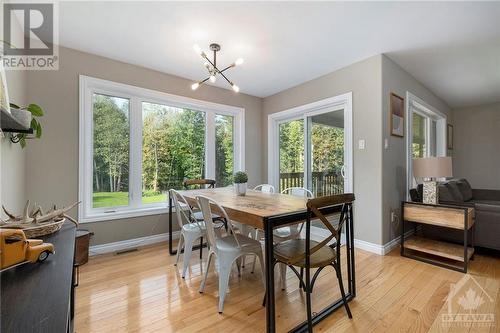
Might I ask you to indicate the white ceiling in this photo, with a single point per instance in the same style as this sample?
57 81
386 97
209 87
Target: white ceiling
453 48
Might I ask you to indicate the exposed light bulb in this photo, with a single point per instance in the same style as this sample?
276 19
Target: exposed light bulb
212 78
239 61
235 88
195 86
197 49
206 64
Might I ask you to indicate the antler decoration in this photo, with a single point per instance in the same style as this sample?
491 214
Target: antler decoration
36 216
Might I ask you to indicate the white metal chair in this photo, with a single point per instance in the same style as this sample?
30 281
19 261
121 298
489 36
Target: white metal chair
266 188
191 228
292 232
227 249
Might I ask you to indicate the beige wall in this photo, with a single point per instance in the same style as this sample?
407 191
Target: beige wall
52 162
12 156
476 153
397 80
364 80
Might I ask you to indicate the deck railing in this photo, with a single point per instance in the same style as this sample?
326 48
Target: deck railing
322 183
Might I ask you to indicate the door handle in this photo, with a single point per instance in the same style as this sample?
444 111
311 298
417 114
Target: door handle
342 171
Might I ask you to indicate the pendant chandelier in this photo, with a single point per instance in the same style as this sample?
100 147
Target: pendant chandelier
213 70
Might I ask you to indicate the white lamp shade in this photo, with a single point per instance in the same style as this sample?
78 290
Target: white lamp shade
432 167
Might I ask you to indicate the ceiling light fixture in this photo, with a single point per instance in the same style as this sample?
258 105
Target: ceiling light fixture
213 70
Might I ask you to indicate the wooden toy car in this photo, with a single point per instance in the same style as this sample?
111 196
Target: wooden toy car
16 249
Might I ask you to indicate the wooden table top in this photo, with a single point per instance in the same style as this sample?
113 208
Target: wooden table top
252 208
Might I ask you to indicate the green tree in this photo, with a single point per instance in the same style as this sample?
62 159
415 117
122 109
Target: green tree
111 143
224 150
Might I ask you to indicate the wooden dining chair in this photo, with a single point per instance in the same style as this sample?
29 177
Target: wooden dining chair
198 183
201 183
307 254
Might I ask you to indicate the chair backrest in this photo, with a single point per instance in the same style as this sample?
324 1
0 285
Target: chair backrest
200 183
314 207
183 210
206 205
298 192
267 188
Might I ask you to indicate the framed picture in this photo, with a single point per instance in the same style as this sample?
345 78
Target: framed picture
4 96
397 105
449 136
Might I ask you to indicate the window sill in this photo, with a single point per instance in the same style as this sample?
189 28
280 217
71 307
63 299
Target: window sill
124 214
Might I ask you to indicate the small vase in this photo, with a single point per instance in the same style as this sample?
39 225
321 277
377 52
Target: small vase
240 189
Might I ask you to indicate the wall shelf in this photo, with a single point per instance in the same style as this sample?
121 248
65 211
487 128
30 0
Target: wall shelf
9 124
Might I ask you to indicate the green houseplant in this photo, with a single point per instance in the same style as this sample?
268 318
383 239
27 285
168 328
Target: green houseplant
240 180
36 112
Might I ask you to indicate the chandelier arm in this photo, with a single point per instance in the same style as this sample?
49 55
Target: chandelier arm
203 81
225 69
225 78
210 62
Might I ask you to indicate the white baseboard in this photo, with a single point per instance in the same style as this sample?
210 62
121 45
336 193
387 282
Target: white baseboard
130 243
319 234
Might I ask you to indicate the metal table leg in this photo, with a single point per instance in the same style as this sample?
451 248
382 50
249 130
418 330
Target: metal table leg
170 250
352 265
270 309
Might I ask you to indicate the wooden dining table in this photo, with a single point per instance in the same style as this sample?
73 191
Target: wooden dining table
267 211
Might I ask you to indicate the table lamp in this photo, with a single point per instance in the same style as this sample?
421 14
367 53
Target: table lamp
431 168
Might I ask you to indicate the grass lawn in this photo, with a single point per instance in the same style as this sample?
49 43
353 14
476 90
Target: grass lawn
115 199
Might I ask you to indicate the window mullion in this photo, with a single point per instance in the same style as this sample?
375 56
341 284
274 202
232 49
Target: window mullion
210 146
135 167
307 152
427 135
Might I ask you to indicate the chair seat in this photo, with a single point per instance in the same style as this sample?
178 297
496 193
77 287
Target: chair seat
284 233
228 243
194 227
198 215
288 250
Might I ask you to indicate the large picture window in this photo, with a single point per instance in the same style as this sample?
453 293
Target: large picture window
136 144
173 149
224 150
111 128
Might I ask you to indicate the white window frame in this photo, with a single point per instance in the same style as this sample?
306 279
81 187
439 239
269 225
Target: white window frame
136 96
417 105
340 102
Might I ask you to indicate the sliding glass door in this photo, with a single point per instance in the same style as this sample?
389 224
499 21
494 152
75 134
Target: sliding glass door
312 148
326 148
291 154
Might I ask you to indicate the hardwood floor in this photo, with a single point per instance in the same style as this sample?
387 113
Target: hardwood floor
142 291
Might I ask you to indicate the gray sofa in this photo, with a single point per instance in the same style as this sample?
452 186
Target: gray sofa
487 212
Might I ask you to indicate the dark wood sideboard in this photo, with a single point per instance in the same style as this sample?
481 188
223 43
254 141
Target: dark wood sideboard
39 297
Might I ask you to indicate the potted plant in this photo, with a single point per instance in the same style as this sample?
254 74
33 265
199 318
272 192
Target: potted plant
27 115
240 180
